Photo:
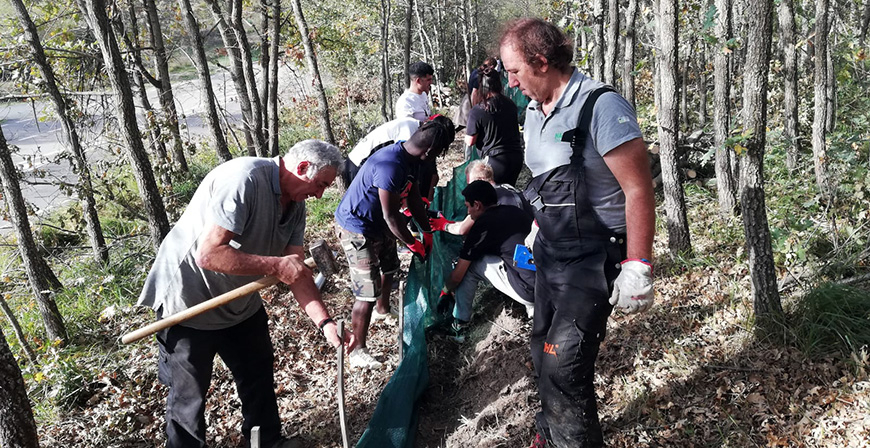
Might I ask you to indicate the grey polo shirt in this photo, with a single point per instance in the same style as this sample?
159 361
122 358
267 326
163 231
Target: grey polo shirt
613 123
244 197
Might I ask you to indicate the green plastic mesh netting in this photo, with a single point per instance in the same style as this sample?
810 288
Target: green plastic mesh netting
394 421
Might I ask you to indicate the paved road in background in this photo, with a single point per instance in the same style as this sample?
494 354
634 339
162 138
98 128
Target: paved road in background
39 142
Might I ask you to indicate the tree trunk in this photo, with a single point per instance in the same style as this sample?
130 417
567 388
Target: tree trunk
466 41
165 95
675 202
42 279
265 49
152 128
726 184
192 28
628 60
612 42
138 74
98 21
273 77
701 80
19 333
472 34
232 46
831 81
790 81
761 267
598 50
84 188
247 61
311 59
386 100
407 54
17 426
865 22
820 150
683 73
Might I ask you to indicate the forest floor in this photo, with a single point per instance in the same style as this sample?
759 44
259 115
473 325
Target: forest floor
688 373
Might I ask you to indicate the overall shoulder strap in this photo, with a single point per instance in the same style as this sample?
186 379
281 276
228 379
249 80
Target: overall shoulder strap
577 136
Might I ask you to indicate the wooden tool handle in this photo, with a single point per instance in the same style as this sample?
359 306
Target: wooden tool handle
209 304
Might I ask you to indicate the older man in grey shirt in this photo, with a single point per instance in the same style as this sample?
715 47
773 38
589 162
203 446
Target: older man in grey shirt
246 220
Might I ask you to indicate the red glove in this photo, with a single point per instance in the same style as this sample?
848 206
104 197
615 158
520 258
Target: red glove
422 248
440 223
419 249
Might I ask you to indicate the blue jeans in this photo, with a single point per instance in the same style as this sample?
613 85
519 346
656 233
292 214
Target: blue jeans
492 269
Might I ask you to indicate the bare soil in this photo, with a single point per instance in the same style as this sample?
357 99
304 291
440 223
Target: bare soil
689 373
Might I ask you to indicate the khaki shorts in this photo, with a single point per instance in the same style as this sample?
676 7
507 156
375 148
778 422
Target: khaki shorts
368 258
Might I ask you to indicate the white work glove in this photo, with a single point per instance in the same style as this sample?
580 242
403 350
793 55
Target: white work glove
530 238
633 289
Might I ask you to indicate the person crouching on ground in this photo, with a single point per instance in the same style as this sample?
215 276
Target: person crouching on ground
487 254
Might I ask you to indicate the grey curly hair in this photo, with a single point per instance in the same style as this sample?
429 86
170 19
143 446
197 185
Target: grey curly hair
317 153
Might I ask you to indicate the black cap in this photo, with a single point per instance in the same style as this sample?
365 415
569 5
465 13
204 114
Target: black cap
480 190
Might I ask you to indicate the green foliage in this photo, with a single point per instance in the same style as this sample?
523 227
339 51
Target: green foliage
832 320
184 184
61 380
321 211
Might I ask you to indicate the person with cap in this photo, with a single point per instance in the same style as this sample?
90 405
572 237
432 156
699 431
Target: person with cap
369 221
594 205
487 254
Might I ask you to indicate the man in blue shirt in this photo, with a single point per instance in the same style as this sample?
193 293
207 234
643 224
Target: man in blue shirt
368 223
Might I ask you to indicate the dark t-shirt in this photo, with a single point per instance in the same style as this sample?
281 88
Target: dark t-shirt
473 80
497 232
497 132
360 209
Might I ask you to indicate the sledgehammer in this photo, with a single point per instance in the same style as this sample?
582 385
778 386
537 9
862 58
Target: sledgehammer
321 257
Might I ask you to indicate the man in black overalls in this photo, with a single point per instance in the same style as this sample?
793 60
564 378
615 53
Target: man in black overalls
595 208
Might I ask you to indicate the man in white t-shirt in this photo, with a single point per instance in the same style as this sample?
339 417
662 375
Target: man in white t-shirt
383 135
414 102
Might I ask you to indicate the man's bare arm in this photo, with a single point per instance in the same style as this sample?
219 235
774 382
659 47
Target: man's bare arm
630 165
216 254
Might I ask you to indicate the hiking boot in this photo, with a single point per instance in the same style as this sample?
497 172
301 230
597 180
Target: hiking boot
392 314
539 442
360 358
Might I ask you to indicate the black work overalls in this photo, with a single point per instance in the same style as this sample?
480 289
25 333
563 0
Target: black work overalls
577 260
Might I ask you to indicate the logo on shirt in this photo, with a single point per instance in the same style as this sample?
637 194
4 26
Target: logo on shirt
622 120
559 137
